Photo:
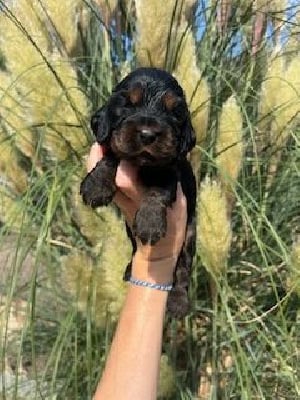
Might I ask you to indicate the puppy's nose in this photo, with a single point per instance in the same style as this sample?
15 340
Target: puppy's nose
147 136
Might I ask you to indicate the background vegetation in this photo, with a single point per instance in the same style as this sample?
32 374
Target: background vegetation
62 263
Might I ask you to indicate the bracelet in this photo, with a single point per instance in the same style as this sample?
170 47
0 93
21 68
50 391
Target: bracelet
165 288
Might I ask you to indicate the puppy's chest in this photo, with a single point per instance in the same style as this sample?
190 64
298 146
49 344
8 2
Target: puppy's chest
158 176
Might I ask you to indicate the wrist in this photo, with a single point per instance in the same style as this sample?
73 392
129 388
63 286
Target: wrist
159 270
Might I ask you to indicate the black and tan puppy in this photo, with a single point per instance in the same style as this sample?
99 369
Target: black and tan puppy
146 121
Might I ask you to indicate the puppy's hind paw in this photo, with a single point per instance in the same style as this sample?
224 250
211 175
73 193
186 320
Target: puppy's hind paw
178 303
150 223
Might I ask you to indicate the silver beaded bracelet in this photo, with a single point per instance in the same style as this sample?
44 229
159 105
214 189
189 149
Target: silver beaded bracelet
166 288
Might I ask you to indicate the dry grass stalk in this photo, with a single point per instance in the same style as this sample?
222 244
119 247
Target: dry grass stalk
205 384
190 9
16 320
214 230
262 10
224 9
107 62
107 9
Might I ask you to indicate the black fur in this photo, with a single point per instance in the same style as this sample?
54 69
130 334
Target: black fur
146 121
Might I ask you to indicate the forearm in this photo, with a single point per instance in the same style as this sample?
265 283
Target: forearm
132 367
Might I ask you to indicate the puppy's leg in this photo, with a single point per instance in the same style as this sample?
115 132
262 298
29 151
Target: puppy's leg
178 303
98 187
150 222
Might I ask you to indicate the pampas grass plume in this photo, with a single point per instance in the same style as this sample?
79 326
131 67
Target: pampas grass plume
288 103
14 41
269 91
193 83
10 171
152 51
11 211
214 230
62 15
101 279
152 40
85 281
93 223
12 112
90 222
229 146
57 107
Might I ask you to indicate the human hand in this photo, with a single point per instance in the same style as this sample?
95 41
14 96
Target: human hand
155 262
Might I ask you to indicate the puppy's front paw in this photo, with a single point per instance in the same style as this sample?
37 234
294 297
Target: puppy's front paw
97 192
150 223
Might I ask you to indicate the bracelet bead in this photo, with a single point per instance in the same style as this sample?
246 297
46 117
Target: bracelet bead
158 286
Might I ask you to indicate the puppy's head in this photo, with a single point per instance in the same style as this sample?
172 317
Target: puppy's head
146 120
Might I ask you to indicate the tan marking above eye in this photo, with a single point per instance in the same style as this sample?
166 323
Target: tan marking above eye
135 93
169 100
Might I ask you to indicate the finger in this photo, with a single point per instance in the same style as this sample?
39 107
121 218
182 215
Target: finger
181 211
126 205
96 153
128 182
181 202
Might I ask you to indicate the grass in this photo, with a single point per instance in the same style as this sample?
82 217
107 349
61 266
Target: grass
241 339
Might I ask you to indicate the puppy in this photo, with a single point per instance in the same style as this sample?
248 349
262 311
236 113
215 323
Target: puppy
146 121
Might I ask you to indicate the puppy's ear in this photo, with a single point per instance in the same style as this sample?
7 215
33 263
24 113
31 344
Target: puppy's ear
100 125
135 93
170 100
178 107
188 136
